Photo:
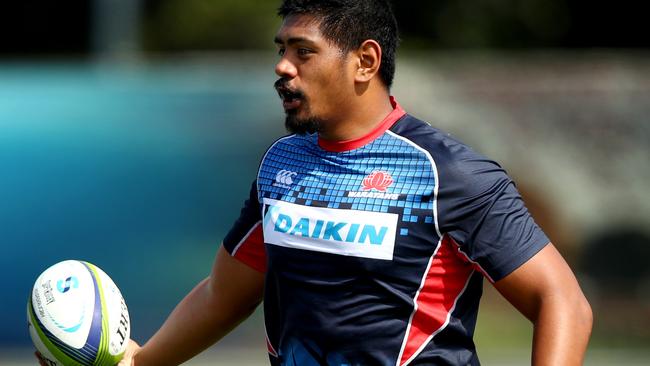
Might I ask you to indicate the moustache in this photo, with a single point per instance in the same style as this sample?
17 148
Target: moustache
285 91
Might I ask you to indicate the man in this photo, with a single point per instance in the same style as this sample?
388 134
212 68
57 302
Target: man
368 232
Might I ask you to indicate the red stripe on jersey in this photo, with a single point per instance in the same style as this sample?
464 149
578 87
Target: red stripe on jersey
269 348
347 145
467 259
251 250
444 282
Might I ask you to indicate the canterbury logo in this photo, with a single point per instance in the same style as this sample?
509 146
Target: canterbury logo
285 177
378 180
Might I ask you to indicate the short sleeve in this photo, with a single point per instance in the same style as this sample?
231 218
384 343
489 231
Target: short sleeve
245 240
482 211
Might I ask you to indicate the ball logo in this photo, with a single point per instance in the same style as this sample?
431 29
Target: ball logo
64 286
378 180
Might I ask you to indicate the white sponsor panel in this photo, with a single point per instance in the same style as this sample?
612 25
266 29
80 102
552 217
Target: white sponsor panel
355 233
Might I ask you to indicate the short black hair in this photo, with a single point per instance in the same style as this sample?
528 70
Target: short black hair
348 23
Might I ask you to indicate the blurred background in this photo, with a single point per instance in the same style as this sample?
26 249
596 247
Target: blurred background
130 131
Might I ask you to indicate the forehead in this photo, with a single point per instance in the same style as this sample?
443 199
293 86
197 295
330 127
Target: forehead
299 27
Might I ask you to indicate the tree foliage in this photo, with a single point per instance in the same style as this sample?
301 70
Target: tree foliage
176 25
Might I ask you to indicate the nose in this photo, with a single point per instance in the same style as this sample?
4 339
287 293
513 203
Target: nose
284 68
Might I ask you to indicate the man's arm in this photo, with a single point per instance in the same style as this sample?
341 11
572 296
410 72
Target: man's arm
211 310
545 290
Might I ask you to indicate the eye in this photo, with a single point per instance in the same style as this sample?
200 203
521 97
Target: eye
303 51
281 51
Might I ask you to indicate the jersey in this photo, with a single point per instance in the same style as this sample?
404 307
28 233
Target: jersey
374 250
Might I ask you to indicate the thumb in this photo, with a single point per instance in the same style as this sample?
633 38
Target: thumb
131 350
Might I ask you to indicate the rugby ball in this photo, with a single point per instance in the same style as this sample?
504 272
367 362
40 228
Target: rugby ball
77 316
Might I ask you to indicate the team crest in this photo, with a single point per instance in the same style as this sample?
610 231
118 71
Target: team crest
378 180
374 185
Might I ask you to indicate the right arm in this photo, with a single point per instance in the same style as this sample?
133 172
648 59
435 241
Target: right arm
211 310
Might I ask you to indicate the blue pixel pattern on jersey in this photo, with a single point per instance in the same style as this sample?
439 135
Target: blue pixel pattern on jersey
328 185
376 255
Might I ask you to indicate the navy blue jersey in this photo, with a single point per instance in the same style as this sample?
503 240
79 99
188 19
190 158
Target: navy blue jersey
375 249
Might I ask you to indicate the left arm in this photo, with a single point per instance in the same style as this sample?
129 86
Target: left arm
545 290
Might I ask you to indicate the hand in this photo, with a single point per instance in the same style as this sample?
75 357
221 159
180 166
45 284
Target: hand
131 350
41 361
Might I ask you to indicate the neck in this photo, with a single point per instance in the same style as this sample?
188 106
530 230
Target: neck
378 130
360 117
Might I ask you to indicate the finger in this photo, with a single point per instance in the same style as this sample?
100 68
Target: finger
40 358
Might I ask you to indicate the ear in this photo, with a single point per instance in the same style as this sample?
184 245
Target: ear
368 61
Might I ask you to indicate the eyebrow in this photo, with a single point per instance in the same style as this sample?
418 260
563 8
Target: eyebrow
292 40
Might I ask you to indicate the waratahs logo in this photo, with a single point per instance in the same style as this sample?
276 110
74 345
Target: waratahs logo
378 180
375 185
65 285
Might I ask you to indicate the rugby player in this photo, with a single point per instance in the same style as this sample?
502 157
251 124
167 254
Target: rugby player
368 233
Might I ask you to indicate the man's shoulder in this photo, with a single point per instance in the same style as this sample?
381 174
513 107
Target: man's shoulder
291 143
455 161
293 139
441 145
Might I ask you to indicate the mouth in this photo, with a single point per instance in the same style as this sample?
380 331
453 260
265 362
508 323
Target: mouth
291 99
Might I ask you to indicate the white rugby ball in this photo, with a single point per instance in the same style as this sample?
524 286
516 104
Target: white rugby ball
77 316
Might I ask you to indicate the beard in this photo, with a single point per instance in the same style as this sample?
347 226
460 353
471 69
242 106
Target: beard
294 124
302 126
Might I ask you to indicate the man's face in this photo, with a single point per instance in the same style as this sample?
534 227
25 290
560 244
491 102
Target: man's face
315 76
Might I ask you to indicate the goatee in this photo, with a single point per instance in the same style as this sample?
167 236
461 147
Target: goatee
302 126
292 123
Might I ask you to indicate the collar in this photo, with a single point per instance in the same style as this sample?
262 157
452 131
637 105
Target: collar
385 124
